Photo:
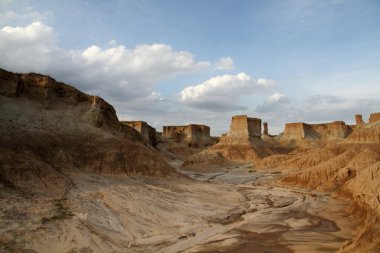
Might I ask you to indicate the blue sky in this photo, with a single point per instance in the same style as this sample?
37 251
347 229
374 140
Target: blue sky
177 62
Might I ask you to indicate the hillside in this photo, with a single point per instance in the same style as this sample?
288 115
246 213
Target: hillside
49 128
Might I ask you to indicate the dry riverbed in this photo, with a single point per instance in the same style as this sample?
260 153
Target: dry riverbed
232 209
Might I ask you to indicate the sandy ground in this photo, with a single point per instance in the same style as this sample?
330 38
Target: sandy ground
233 209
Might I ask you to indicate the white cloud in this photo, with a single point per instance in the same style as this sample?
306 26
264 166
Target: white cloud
220 92
225 63
265 83
276 97
35 32
25 16
117 72
219 85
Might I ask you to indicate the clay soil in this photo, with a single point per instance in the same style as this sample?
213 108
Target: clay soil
231 209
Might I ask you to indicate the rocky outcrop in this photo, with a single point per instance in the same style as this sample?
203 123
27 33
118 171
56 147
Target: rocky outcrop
243 130
51 95
243 141
359 120
369 133
265 125
336 129
148 133
295 131
49 128
241 125
374 117
193 135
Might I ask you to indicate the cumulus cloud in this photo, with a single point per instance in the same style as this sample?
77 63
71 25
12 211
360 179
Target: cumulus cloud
117 72
220 93
23 17
225 63
265 83
275 98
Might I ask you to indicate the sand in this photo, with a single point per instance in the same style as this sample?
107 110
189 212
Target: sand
233 209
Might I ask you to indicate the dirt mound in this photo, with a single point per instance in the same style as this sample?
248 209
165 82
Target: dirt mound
206 159
50 127
243 152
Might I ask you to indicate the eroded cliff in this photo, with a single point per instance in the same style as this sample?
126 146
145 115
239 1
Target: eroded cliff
148 133
193 135
49 127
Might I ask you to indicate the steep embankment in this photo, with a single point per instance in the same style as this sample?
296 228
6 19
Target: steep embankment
352 169
48 127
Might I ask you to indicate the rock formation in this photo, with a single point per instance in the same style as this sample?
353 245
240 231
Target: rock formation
294 131
336 129
243 130
241 125
193 135
359 120
243 142
367 133
148 133
374 117
265 125
48 127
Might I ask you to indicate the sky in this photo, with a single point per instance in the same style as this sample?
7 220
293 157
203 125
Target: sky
176 62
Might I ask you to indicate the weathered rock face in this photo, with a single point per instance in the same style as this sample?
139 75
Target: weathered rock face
243 142
49 128
148 133
265 125
241 125
374 117
336 129
294 130
365 134
359 120
351 169
51 95
243 130
194 135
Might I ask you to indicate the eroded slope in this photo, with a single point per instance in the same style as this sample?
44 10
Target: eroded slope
49 127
